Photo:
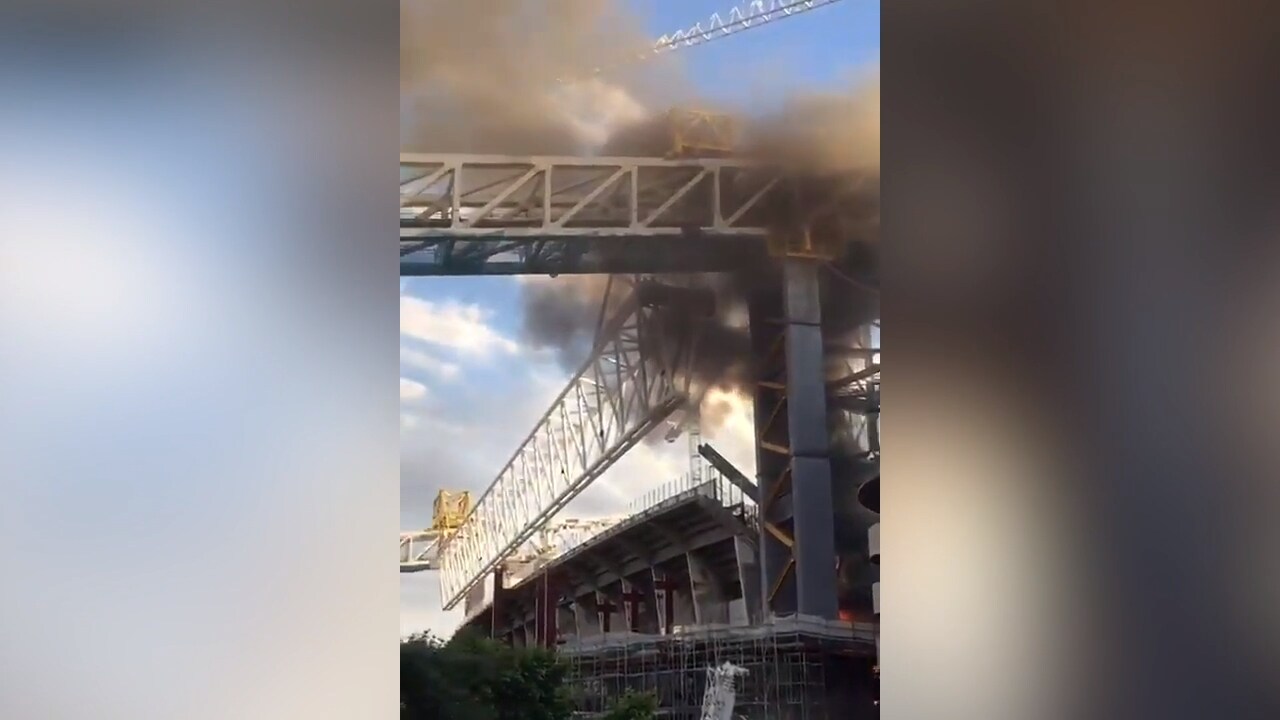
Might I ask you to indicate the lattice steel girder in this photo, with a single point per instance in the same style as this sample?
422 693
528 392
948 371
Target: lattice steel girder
498 196
635 378
485 214
418 551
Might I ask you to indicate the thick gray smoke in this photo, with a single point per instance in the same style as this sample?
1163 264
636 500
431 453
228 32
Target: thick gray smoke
815 137
515 76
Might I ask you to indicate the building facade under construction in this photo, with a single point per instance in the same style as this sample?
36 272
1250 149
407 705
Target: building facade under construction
669 601
757 593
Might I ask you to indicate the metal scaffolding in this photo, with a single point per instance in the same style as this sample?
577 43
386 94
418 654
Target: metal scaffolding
795 669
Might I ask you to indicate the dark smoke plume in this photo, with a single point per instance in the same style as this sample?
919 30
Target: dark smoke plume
515 76
815 137
489 76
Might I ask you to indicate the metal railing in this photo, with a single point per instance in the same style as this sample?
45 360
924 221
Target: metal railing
712 485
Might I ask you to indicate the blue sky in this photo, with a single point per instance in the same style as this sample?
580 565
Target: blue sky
471 389
815 49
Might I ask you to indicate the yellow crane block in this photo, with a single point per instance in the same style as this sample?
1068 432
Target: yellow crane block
450 509
696 133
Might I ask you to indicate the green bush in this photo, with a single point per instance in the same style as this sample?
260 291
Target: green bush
474 678
634 706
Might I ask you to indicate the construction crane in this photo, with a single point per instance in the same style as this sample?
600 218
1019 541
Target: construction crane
419 550
738 19
683 205
634 380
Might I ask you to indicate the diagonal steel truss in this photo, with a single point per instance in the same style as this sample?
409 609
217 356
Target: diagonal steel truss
633 381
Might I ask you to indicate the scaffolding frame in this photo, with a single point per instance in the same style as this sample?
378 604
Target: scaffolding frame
796 669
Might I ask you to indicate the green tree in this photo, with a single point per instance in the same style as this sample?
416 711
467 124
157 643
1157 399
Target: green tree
474 678
634 706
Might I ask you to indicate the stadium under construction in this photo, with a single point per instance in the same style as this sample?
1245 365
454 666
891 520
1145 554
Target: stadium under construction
755 595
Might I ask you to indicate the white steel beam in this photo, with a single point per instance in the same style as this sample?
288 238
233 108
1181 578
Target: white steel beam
418 550
498 196
635 378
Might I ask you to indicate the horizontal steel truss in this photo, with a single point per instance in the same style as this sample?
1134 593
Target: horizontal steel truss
478 214
508 196
633 381
418 550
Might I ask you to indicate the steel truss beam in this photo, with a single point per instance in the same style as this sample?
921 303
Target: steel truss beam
418 550
635 378
741 17
485 214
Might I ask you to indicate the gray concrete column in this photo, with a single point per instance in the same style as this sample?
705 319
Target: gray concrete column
710 605
587 614
749 576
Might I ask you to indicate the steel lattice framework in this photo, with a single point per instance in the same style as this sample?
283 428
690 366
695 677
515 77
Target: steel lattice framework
472 214
487 214
635 378
420 550
741 18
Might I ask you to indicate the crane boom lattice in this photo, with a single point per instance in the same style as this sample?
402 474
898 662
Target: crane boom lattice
634 379
739 19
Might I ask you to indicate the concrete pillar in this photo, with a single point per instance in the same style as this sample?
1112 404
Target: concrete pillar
587 613
710 605
566 619
749 576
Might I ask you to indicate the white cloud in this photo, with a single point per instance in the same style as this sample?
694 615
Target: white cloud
429 364
411 390
453 325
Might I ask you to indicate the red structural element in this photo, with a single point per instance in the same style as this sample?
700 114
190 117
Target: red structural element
548 606
498 608
633 598
606 608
